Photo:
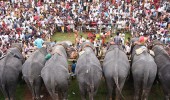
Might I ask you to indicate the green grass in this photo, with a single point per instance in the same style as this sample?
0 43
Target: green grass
66 36
74 94
128 91
70 36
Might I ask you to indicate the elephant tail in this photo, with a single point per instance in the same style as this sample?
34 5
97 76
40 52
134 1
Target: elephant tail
145 79
31 81
117 86
91 83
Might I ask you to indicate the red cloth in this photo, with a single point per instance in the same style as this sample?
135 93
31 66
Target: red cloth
142 39
36 17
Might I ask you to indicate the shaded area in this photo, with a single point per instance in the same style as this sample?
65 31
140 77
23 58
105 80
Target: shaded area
23 92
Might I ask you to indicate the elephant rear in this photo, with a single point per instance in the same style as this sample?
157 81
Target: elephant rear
89 73
144 71
56 80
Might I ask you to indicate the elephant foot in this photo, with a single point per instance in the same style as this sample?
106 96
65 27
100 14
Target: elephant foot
41 96
136 98
166 97
37 98
6 99
12 99
110 98
33 98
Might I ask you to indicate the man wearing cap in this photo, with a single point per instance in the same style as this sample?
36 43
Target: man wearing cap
142 41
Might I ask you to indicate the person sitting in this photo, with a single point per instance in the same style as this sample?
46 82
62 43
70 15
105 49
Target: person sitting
38 42
142 41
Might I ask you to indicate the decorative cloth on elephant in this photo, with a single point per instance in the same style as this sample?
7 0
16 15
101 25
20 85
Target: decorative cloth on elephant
82 52
151 53
140 50
48 56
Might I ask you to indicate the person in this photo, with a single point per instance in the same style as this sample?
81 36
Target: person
73 67
38 42
117 39
142 40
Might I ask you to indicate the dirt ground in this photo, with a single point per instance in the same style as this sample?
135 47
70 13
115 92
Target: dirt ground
44 95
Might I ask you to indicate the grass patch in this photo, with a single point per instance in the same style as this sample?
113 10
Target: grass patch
70 36
128 91
66 36
19 92
74 93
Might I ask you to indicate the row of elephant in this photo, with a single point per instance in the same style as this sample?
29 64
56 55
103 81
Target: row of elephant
54 73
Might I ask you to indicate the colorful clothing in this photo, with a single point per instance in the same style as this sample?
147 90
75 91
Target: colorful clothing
39 42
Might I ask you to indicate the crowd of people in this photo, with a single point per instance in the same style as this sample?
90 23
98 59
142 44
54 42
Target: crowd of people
23 21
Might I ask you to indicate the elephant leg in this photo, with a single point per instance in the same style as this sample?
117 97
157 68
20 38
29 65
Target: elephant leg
37 87
83 92
11 88
146 91
4 92
90 96
30 87
137 87
165 89
145 94
54 96
65 95
6 99
51 91
109 88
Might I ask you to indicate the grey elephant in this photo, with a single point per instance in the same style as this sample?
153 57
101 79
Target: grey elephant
31 71
10 68
144 70
115 68
88 71
162 60
55 74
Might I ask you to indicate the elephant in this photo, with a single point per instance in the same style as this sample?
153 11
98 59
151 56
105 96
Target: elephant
31 71
55 74
162 60
115 68
144 70
88 71
10 68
